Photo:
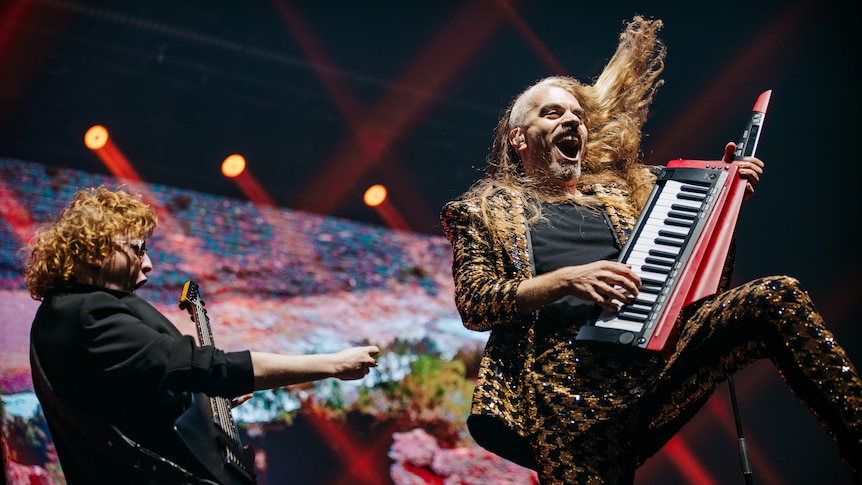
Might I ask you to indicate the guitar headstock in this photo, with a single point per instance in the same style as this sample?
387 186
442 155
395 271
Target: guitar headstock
747 143
191 297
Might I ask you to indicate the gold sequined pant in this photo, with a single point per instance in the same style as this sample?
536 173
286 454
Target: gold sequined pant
602 411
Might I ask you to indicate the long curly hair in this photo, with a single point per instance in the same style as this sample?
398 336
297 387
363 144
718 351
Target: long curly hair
83 234
616 106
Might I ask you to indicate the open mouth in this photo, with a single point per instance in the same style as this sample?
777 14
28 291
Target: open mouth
569 146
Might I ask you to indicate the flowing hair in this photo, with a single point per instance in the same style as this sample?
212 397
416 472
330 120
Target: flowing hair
83 234
616 106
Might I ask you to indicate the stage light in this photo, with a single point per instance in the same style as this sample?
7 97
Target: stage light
233 165
96 137
374 195
376 198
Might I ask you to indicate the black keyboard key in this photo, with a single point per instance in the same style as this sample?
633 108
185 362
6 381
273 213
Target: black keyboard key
688 196
682 215
655 269
659 261
662 254
669 242
679 235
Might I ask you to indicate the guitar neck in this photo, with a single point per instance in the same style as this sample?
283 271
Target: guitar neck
221 406
235 455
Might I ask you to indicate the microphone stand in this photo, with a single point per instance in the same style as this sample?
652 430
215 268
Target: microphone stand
744 463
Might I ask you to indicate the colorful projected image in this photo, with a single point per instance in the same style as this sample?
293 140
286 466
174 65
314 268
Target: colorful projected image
282 281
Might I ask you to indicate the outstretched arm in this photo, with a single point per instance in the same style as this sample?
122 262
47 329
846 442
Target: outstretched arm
277 370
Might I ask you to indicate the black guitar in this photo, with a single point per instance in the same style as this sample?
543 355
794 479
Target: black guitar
207 428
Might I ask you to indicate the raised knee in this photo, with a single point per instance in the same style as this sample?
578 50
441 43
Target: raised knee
783 283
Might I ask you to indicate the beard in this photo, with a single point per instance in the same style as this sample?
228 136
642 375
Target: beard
556 171
564 172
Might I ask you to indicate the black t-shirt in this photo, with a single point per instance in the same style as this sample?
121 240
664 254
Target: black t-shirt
570 235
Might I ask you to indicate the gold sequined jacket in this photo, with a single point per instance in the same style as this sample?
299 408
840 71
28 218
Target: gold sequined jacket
488 265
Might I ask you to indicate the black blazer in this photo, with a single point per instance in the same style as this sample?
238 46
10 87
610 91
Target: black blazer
113 357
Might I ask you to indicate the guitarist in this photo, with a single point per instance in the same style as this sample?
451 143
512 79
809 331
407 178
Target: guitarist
113 374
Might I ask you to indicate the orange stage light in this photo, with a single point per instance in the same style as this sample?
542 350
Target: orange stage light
233 165
374 195
96 137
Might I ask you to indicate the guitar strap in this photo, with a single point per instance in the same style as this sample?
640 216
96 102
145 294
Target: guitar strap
108 438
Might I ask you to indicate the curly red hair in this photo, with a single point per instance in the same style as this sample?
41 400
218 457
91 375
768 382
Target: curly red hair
83 234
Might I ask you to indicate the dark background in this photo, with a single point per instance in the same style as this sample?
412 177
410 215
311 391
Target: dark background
327 98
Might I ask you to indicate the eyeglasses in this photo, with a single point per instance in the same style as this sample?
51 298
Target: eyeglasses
139 246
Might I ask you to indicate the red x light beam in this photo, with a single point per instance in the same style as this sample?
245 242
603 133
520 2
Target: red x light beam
543 52
707 110
359 458
376 131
